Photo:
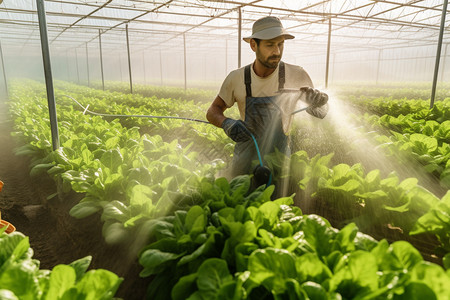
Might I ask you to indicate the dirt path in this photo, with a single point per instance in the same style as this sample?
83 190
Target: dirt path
20 199
54 235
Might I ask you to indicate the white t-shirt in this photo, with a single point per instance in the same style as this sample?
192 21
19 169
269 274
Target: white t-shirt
233 88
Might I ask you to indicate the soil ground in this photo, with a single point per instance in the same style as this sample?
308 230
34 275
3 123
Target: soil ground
55 236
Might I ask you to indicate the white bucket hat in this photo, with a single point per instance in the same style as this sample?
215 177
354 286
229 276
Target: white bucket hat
268 28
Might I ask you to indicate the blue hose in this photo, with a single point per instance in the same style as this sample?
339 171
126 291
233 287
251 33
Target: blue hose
260 159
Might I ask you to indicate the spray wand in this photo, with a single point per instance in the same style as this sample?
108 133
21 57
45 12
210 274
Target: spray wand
133 116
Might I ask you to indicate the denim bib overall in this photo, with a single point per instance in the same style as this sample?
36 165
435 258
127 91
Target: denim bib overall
263 119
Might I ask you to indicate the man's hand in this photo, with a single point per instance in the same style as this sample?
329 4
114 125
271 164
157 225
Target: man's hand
314 97
236 130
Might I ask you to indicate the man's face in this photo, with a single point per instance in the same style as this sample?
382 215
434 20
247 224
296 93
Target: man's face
269 52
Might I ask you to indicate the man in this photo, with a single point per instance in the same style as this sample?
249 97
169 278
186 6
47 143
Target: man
265 112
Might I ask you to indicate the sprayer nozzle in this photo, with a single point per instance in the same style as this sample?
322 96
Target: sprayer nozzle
261 175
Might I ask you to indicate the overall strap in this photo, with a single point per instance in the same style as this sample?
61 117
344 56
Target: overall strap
248 79
281 76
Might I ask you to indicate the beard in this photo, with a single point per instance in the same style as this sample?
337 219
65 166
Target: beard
270 62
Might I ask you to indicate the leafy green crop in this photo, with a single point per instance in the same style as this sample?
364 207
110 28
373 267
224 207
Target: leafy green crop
21 278
427 142
161 92
391 90
266 249
125 176
156 104
437 221
356 196
214 239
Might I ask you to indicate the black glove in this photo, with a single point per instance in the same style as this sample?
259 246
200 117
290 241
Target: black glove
314 97
236 130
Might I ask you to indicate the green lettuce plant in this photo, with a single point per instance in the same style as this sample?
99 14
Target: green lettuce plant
21 277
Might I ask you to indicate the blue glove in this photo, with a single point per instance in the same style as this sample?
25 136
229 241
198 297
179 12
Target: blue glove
314 97
236 130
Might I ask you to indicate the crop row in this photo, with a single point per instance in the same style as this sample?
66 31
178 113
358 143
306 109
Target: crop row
177 93
184 131
427 142
436 160
420 109
393 90
116 170
367 199
237 245
423 135
122 174
140 180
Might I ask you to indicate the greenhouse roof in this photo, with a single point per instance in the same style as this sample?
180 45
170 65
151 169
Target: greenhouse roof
371 24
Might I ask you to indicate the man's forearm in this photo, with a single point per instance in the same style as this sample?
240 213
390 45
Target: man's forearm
215 116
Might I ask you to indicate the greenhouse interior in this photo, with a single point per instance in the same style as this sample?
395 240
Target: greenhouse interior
127 170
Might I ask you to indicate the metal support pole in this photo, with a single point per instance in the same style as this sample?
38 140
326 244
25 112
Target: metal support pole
444 62
160 67
416 64
334 68
438 54
87 65
4 72
68 66
378 66
48 74
328 53
76 61
403 70
101 58
239 37
184 43
120 68
143 65
129 60
226 57
204 67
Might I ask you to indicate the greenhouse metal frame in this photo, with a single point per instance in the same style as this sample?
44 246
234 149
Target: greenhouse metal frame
75 25
137 178
333 26
340 26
